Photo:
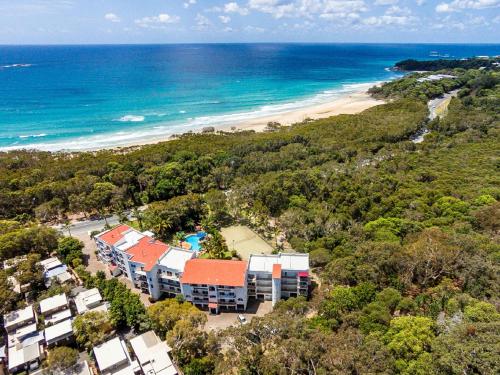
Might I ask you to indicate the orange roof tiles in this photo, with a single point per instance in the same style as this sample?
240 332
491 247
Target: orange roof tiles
147 251
114 235
215 272
276 271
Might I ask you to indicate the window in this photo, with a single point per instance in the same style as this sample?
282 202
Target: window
169 273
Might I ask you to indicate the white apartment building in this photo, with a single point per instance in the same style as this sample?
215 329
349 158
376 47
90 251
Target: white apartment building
216 284
273 277
153 266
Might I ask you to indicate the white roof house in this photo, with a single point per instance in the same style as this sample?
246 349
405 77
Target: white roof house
19 318
288 261
113 358
58 317
50 263
58 332
89 300
19 335
21 357
52 304
176 258
153 354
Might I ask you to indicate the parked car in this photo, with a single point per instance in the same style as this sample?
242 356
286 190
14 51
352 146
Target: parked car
242 319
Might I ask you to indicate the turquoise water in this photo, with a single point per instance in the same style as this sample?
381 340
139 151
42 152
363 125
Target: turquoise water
88 97
194 240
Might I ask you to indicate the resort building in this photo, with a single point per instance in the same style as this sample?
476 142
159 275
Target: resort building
112 358
161 270
153 355
153 266
273 277
215 284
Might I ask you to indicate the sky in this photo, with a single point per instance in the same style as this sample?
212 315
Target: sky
207 21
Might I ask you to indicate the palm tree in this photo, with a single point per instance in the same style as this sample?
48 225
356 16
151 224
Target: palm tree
137 214
180 237
67 226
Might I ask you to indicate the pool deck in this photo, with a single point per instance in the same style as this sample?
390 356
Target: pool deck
245 241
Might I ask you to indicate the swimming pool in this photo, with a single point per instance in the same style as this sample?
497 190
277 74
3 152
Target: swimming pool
194 240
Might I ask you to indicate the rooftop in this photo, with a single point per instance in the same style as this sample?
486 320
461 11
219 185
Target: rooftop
176 258
288 261
114 235
20 334
58 316
21 356
58 331
88 299
50 263
53 303
15 317
152 354
215 272
147 251
110 354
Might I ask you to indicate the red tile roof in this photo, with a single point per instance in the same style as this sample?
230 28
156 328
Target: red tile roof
147 251
276 271
114 235
215 272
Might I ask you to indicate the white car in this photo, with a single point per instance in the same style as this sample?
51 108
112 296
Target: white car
242 319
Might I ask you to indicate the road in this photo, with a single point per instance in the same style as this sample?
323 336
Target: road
437 108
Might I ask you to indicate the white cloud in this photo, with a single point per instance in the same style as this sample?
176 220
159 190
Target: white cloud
306 8
235 8
156 22
112 17
458 5
202 22
389 20
225 19
228 29
386 2
254 29
188 3
396 10
420 2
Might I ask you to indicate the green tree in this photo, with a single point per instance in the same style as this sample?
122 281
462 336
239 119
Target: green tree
70 248
92 328
61 359
165 314
215 245
408 338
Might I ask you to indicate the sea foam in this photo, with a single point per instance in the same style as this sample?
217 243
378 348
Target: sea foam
131 118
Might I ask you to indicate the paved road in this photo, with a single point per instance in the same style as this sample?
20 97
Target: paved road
434 106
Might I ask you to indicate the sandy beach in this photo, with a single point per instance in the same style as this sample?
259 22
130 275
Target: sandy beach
348 104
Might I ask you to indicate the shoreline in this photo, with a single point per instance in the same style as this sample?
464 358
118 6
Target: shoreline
346 104
350 102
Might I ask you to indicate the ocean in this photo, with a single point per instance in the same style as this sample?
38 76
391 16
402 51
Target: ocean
90 97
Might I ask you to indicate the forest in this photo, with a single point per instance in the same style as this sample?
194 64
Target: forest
432 65
403 236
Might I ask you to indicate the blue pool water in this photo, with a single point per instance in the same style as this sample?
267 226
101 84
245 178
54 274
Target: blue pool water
89 97
194 240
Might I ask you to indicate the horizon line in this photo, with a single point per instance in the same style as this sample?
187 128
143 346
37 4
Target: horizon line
241 43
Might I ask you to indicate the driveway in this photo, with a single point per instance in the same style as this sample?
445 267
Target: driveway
227 319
